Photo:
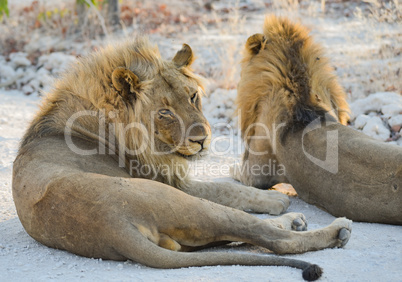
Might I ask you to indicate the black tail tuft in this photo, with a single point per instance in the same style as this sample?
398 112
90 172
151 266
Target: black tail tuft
312 272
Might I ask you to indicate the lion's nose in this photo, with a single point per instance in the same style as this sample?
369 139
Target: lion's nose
200 140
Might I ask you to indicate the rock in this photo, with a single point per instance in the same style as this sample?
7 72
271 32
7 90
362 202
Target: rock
19 59
376 129
395 121
361 121
375 103
396 128
391 110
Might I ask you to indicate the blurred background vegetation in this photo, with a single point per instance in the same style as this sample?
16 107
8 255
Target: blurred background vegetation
363 38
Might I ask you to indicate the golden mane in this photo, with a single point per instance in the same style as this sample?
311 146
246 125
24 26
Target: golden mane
87 86
284 70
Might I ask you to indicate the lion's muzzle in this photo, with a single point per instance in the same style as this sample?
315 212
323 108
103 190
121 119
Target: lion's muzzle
199 140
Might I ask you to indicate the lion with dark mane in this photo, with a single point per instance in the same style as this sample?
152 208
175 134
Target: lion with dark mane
294 113
101 172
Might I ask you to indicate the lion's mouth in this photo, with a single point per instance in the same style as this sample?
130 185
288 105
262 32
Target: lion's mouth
201 153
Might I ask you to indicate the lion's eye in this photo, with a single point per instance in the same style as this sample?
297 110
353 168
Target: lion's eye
194 97
165 112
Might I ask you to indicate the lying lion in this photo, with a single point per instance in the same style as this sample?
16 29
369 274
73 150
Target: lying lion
101 172
293 114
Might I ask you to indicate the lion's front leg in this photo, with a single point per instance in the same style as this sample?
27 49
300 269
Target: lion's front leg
239 197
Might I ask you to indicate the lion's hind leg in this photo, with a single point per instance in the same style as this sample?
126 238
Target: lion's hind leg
139 248
289 221
336 235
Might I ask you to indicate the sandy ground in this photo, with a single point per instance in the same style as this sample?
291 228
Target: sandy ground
367 58
373 252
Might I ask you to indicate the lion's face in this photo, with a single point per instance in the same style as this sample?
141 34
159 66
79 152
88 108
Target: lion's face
173 115
178 119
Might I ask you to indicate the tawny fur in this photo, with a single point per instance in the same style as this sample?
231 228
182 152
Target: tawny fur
293 114
290 70
95 72
96 205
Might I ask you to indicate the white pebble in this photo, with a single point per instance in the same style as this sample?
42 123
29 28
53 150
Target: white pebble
19 59
376 129
375 103
391 110
361 121
6 72
27 89
396 120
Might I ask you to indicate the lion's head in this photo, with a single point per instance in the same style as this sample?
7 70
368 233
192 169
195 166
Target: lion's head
286 83
286 70
143 107
170 104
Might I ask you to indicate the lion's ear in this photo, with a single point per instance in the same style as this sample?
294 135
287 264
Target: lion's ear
255 43
184 57
125 81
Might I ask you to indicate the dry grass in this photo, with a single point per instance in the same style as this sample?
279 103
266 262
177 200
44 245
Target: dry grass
383 11
230 27
35 22
64 22
42 30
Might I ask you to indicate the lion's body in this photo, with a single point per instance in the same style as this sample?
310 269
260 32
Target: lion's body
75 188
288 89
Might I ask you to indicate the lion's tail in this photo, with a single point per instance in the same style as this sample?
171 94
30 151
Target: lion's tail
158 257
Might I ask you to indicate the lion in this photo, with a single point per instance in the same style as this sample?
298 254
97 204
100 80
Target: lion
294 114
101 171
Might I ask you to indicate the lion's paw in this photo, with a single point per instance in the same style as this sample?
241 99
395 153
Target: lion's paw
277 202
290 221
344 236
299 222
344 227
